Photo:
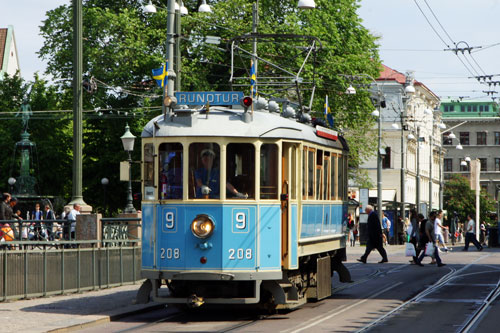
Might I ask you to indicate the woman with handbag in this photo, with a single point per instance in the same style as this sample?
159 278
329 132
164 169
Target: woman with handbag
431 246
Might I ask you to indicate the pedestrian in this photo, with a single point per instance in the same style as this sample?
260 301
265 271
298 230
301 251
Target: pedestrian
482 237
37 215
453 227
438 227
374 236
5 207
72 218
414 234
355 234
48 216
470 235
431 237
350 226
386 226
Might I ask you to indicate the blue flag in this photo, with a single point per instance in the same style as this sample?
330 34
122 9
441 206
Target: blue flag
160 75
253 78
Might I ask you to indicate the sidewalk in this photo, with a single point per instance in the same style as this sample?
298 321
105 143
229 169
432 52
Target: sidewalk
61 313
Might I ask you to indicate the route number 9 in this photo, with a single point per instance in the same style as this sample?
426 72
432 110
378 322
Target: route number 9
241 221
170 220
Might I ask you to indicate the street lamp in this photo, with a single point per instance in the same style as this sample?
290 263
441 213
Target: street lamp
306 4
128 145
11 182
409 90
104 182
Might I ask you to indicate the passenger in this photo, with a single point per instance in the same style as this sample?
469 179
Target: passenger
431 237
470 235
374 236
386 227
208 179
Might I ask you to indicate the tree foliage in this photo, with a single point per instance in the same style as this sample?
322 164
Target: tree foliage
121 44
460 198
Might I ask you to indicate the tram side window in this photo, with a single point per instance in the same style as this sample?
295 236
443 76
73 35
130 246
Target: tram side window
268 171
304 174
204 171
170 170
148 170
319 174
333 177
310 174
341 176
326 165
240 170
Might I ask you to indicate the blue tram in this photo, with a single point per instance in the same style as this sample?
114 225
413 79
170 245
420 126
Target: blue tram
241 205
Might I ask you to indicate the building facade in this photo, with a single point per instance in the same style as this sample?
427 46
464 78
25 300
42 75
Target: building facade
9 62
411 139
474 126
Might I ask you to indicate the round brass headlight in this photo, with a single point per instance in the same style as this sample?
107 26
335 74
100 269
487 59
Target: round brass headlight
202 226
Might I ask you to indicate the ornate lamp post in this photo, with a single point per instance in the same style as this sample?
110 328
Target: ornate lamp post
104 182
128 145
11 182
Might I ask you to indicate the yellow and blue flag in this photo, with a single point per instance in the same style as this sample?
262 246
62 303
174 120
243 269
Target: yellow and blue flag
161 75
327 106
253 78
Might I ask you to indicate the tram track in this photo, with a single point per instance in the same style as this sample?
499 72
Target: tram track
478 314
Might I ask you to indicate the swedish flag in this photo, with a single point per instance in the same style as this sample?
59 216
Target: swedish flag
160 75
327 106
253 78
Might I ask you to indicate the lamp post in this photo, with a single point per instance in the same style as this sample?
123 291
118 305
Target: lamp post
104 182
409 90
12 182
128 145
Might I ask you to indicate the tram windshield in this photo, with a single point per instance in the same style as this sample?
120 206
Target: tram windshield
204 171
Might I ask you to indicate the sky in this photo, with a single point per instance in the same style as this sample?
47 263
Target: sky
407 41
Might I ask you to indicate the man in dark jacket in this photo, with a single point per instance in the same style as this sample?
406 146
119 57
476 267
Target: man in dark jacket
374 236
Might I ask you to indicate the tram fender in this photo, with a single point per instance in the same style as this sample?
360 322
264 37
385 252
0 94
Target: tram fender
276 290
144 292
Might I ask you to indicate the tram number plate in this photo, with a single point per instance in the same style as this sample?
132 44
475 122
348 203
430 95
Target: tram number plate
240 254
170 253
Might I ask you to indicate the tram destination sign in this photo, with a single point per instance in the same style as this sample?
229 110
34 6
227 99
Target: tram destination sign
210 97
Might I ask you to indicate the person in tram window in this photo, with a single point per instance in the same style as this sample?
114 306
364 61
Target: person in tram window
208 178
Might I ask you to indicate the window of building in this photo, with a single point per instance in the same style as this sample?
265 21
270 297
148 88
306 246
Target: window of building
464 138
449 108
170 160
497 138
486 108
447 141
462 108
269 171
386 160
448 164
474 108
497 164
483 164
240 171
484 188
469 108
462 166
481 138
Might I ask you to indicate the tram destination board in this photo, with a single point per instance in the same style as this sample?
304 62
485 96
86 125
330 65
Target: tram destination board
211 97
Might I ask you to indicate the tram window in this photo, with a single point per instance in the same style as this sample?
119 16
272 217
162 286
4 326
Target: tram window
326 165
148 170
170 170
240 170
204 171
310 174
340 182
333 177
319 174
304 174
293 185
268 171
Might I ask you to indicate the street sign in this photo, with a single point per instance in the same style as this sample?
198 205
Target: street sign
210 97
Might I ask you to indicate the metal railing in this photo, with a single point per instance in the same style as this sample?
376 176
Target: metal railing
44 267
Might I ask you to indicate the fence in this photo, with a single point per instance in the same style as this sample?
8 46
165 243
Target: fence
44 267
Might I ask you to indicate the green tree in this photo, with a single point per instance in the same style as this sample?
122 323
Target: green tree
121 44
460 198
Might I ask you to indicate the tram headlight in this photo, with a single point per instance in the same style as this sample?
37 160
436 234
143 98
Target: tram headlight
202 226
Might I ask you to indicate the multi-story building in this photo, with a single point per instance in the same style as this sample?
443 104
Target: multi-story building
411 140
475 125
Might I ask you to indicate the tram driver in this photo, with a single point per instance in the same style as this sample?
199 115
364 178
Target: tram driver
208 179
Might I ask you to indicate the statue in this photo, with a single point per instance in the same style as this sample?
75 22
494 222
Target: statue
25 114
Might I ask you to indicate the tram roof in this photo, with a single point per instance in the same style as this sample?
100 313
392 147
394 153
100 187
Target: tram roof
227 122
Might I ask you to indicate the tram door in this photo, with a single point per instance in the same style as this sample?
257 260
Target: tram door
288 176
